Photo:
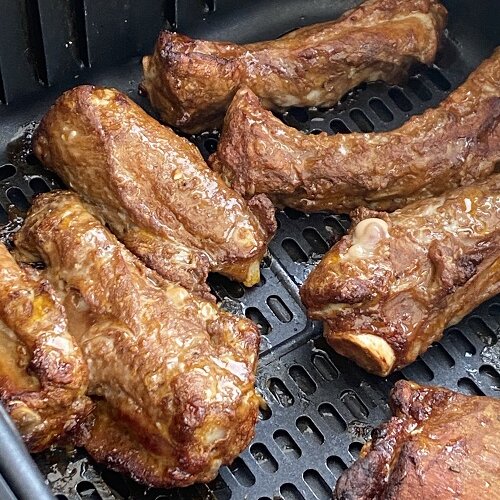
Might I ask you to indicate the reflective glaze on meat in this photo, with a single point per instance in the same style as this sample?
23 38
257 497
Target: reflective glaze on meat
191 82
388 289
43 377
438 445
455 144
153 189
173 374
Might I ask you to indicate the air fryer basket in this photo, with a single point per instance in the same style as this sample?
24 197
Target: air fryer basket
321 407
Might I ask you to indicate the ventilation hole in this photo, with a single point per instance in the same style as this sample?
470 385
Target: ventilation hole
242 473
318 244
354 449
354 404
494 310
210 5
4 218
286 444
31 159
220 488
264 498
7 171
479 327
265 413
293 214
467 386
61 497
210 145
491 375
258 318
462 343
400 100
279 308
290 492
361 120
438 79
233 288
441 356
332 417
39 185
263 458
336 466
382 111
300 114
339 127
315 131
419 89
324 366
335 225
87 491
16 196
304 382
116 482
309 430
317 484
280 392
293 250
419 371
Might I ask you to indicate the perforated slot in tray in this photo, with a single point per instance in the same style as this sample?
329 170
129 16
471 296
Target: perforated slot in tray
321 407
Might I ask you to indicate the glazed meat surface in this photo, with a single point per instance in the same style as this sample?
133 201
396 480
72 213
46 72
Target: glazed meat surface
43 377
456 143
153 189
438 444
388 288
173 374
191 82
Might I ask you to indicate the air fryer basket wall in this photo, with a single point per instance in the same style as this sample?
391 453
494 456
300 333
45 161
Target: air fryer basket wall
321 406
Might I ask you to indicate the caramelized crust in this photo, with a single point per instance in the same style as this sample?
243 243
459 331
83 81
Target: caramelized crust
438 444
455 144
173 374
43 377
153 189
191 82
388 289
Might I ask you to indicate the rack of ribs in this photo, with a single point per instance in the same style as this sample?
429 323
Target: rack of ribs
153 189
43 376
438 444
172 374
454 144
388 288
191 82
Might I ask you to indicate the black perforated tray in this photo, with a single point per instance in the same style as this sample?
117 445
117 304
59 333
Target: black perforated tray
321 406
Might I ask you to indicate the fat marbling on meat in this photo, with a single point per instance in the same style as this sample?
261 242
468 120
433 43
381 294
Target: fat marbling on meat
172 374
191 82
389 288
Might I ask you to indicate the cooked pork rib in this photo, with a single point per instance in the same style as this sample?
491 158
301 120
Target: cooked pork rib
439 444
388 289
454 144
174 373
153 188
43 377
191 82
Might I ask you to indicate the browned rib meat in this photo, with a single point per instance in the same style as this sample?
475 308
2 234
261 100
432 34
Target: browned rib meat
438 445
388 289
191 82
43 377
455 144
153 188
173 373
